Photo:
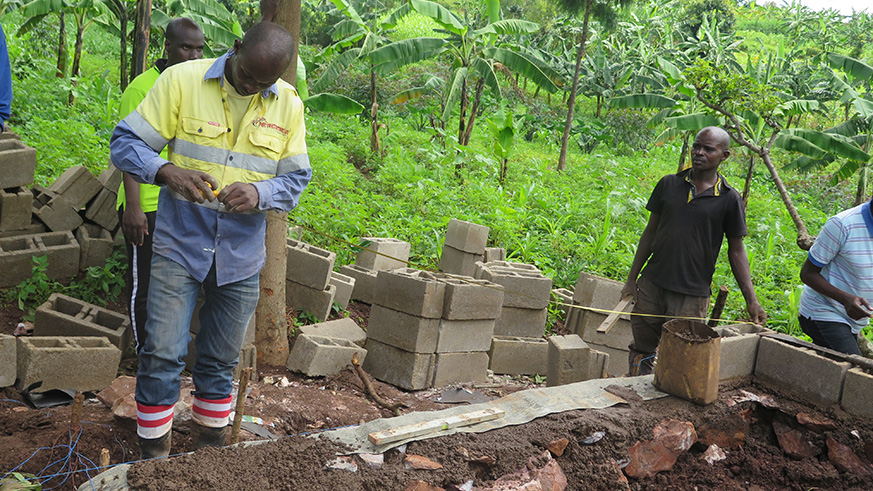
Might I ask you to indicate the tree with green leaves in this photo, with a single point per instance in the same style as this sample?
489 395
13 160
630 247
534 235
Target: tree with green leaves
602 10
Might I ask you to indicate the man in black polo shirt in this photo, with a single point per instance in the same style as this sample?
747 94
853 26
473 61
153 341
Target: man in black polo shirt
691 213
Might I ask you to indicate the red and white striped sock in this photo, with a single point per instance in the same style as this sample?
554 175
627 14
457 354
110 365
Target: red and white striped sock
153 421
212 413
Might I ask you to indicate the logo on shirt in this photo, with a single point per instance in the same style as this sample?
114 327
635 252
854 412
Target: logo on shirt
262 122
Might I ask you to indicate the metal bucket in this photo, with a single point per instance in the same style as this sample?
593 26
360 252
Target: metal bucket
688 361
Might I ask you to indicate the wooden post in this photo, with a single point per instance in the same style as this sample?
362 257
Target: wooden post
244 377
76 412
142 29
717 309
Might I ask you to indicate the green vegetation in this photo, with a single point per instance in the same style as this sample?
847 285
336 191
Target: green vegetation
638 104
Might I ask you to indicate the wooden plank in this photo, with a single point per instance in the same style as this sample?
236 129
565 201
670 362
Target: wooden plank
427 427
619 309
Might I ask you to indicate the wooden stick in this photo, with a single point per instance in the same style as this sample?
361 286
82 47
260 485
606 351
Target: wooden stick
244 377
435 425
104 457
395 407
619 309
718 308
76 416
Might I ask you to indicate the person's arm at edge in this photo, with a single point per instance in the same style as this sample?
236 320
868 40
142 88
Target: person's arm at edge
857 307
739 262
134 224
644 251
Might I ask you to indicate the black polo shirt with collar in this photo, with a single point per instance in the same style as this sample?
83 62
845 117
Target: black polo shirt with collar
690 232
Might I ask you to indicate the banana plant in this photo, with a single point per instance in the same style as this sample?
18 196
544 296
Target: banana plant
219 25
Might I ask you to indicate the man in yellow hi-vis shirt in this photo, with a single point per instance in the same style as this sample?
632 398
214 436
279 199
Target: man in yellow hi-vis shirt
236 149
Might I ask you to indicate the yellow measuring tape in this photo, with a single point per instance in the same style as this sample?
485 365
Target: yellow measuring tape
555 302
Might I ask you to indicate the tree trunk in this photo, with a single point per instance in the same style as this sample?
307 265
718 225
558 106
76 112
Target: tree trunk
142 29
462 119
804 241
375 146
271 332
599 105
62 48
747 188
684 152
571 100
480 85
122 18
77 58
861 193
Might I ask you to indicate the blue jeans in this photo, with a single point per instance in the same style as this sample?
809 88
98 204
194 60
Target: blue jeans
224 317
837 336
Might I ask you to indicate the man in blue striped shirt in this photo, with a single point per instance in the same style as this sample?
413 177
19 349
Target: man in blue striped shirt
838 273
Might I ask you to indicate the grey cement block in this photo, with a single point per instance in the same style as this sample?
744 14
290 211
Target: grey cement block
494 254
102 209
411 291
529 323
568 361
308 265
401 330
62 315
316 302
17 164
16 254
77 185
317 356
596 291
16 208
619 336
455 261
456 336
111 178
62 362
525 289
382 253
801 371
344 328
9 135
467 236
857 392
62 252
452 368
563 298
8 360
345 285
739 350
519 356
95 245
35 227
598 363
616 362
55 212
410 371
469 298
511 266
365 282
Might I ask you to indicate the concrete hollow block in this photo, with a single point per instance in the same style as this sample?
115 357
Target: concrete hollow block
8 360
569 361
365 282
345 285
55 212
401 330
407 370
62 251
456 261
67 362
344 328
383 253
596 291
35 227
494 254
457 336
111 178
513 355
62 315
801 371
77 185
316 302
16 208
521 322
467 236
95 245
16 255
524 289
856 393
619 336
317 356
739 350
468 298
102 210
411 291
462 367
308 265
563 299
17 164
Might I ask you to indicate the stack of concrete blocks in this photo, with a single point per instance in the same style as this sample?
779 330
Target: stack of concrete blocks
572 360
376 254
8 360
60 249
80 363
430 330
307 278
344 285
518 347
62 315
463 248
327 348
601 293
248 355
17 165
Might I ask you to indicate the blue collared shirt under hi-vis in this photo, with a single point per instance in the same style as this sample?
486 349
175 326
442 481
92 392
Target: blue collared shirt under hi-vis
187 111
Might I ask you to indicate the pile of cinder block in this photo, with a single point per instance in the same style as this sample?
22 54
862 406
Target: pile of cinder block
376 254
429 330
601 293
518 347
463 248
308 278
326 348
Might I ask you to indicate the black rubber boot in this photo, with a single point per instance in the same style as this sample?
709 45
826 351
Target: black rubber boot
156 447
205 436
